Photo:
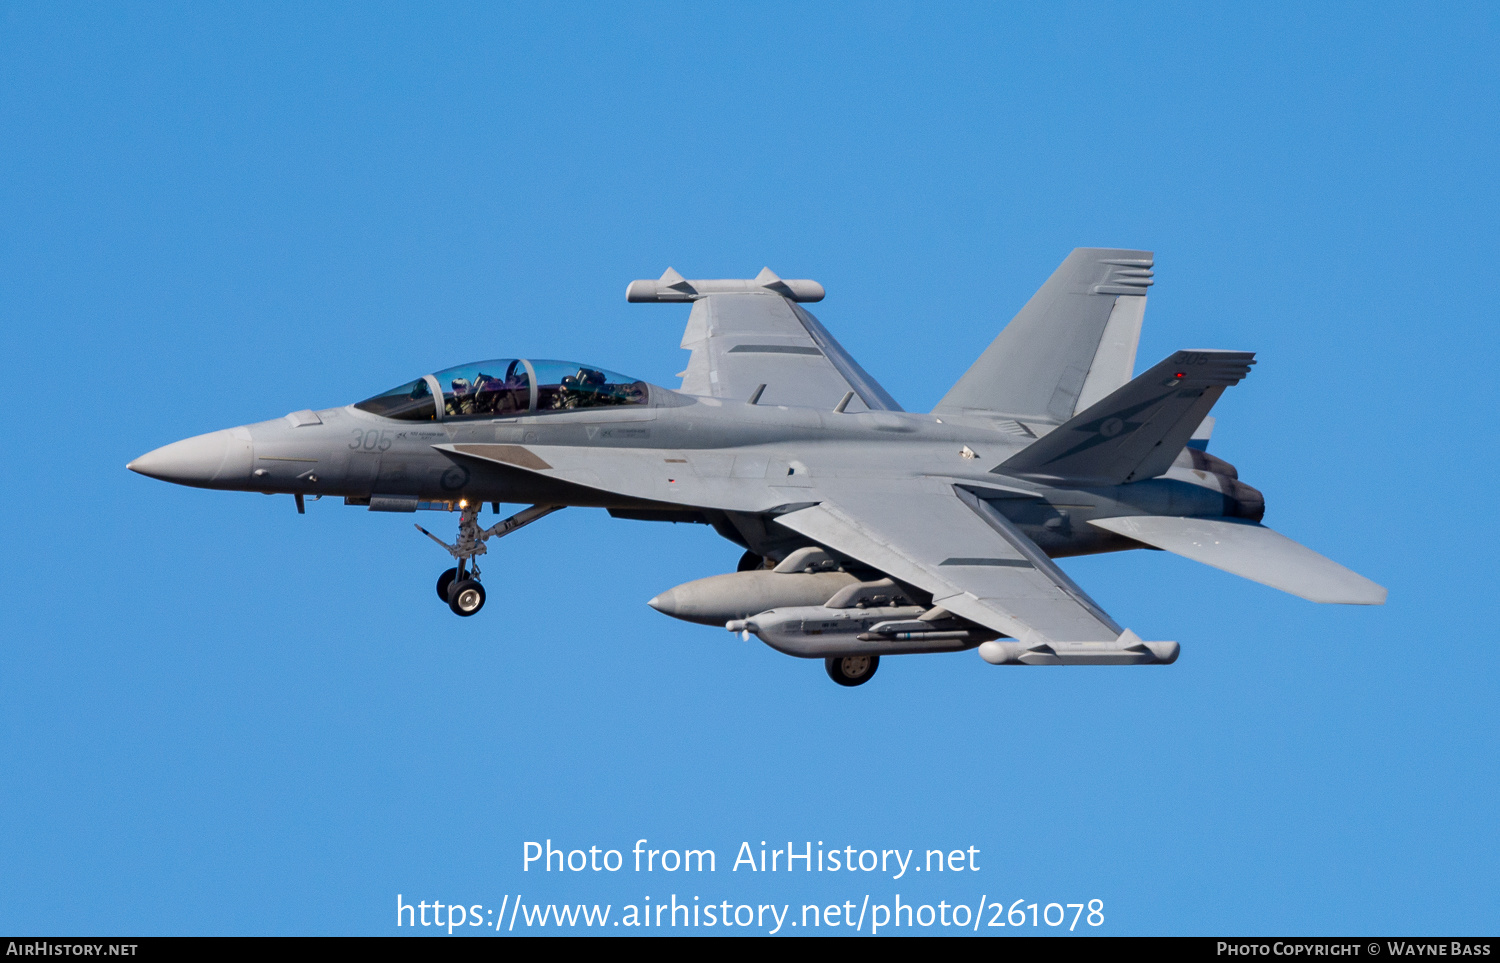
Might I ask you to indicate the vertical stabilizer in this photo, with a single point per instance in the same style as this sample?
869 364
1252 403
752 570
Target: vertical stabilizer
1071 345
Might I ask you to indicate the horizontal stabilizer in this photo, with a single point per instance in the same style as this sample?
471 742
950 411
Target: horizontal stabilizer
1251 551
1137 430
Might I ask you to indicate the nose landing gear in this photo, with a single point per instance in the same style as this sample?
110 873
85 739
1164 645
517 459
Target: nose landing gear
461 590
459 586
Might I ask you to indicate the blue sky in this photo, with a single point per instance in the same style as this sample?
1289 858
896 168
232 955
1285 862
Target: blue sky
221 717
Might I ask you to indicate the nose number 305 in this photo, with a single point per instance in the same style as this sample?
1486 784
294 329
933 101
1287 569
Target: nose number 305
372 440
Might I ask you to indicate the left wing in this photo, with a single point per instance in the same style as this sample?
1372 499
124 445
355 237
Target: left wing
977 565
747 334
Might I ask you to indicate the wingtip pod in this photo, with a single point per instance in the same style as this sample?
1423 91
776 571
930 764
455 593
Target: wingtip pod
672 286
1128 649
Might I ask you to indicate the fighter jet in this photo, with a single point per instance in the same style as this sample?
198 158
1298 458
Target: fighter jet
868 530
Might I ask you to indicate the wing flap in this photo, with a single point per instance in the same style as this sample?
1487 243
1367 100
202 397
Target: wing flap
1251 551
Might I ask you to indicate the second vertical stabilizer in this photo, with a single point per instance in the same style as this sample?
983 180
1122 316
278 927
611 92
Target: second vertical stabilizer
1073 343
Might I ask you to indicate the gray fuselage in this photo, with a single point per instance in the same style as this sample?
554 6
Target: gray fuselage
775 454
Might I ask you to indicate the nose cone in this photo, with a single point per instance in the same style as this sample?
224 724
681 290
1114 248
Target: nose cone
219 459
665 603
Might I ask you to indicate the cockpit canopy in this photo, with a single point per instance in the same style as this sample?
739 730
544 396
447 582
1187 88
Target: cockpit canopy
503 387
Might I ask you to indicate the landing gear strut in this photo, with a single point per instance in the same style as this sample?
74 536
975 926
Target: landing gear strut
852 670
459 586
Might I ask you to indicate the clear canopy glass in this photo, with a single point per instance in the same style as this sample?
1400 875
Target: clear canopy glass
410 402
562 385
507 386
486 388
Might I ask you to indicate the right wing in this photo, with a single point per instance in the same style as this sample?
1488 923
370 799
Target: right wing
974 562
747 334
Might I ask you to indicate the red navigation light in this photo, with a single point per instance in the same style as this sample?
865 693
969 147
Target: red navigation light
1180 374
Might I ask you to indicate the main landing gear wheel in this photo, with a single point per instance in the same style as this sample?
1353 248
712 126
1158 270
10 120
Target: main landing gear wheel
850 670
445 581
466 597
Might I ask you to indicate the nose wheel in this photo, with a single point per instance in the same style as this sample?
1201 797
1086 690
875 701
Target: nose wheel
466 597
461 591
459 586
852 670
